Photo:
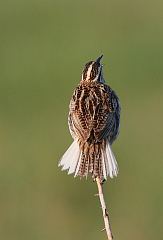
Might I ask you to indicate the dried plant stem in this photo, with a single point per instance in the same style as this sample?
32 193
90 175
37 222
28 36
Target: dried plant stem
104 210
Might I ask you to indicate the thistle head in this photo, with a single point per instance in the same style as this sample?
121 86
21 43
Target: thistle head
92 71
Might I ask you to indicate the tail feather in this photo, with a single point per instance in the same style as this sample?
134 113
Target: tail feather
111 162
105 171
96 158
71 157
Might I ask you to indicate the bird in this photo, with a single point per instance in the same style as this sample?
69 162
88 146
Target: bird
94 121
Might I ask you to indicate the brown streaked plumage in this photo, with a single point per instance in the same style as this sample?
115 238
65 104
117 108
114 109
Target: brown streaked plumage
94 115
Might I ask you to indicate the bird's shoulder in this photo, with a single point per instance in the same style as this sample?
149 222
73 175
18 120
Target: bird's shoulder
97 92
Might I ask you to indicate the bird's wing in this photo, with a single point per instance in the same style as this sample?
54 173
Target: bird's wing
79 114
93 112
107 115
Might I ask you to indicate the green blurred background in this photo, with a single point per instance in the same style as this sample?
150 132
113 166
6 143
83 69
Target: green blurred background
43 47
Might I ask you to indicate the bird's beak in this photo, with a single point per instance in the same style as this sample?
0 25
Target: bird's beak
99 59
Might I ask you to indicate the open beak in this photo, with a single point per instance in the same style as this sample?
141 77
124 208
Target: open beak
99 59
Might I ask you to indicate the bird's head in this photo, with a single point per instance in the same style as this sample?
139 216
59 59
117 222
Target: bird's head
92 71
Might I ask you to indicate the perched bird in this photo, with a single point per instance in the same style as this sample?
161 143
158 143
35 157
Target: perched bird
94 119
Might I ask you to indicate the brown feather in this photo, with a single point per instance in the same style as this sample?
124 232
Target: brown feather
93 118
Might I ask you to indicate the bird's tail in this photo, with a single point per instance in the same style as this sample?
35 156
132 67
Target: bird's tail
95 158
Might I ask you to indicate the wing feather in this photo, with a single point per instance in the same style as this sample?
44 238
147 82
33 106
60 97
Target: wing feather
94 109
